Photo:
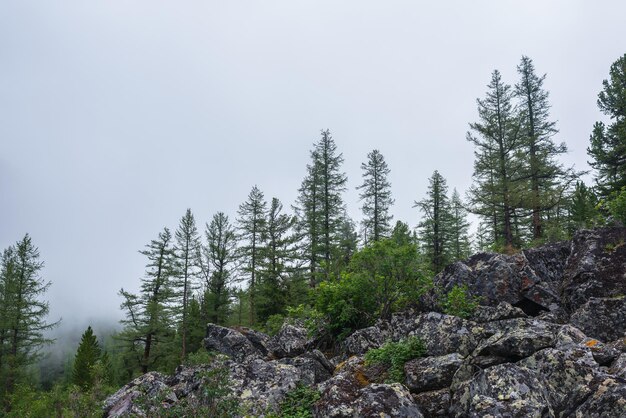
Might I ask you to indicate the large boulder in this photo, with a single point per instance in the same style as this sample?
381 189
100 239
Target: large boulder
348 395
124 401
363 340
431 373
291 341
602 318
230 342
441 334
529 280
505 390
596 267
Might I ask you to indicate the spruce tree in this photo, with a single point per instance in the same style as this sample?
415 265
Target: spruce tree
250 225
87 355
497 138
546 179
149 314
435 228
376 197
608 143
459 227
221 248
187 251
23 313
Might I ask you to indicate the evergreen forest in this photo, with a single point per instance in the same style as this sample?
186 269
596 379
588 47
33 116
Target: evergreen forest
268 261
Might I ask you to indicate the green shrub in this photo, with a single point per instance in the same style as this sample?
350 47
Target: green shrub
394 355
273 324
616 205
298 403
459 302
200 357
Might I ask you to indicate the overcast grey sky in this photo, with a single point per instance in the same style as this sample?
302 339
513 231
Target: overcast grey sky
115 116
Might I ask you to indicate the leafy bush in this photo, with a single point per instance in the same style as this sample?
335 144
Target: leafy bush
394 355
312 319
459 302
616 206
383 277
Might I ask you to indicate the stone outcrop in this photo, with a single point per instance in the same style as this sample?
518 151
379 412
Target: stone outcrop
548 341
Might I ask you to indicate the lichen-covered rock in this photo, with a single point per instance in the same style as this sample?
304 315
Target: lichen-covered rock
602 318
431 373
618 368
258 339
516 342
291 341
382 400
363 340
123 402
503 310
441 334
312 371
343 396
434 403
230 342
608 401
569 375
595 268
529 280
503 390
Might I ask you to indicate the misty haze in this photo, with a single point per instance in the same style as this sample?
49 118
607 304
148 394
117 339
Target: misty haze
312 209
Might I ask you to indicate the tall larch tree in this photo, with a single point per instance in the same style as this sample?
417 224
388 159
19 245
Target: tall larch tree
250 225
320 207
376 197
187 252
608 143
434 229
148 315
497 138
24 313
221 247
546 178
459 227
307 209
278 255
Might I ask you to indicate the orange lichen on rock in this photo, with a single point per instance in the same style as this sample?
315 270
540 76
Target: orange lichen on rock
361 378
592 343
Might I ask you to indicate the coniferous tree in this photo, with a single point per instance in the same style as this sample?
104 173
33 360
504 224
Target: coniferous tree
459 226
376 197
320 207
277 255
23 320
497 137
221 248
582 209
348 240
187 251
149 314
546 179
608 143
87 355
250 224
435 227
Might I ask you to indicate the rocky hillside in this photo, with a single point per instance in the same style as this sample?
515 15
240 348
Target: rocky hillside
548 341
